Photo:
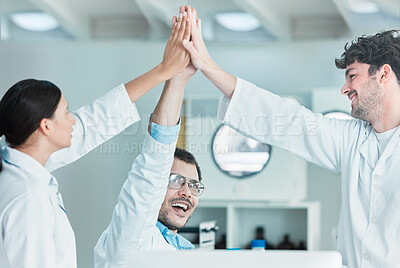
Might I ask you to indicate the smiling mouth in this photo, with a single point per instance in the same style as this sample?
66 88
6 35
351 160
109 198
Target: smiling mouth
180 208
352 96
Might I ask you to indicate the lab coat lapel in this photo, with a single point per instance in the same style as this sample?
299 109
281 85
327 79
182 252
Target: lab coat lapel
369 149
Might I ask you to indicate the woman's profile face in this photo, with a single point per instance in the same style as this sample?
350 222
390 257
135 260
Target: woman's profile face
63 122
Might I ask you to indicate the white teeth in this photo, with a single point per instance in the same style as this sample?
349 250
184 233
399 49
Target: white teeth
183 206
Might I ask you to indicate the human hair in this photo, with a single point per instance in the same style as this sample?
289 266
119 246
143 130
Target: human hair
188 158
375 50
22 108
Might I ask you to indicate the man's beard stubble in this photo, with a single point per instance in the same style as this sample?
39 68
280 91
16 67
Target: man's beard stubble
369 107
164 219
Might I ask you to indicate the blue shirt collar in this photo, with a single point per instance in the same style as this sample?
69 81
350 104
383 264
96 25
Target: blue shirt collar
178 241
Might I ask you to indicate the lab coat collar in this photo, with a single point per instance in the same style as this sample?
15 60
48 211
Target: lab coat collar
26 162
369 148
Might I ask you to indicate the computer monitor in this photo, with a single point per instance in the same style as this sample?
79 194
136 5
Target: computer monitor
234 259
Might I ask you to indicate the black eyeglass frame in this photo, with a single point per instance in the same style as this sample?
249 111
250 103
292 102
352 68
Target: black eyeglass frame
196 191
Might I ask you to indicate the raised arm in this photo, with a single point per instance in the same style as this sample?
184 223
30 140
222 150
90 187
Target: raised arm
269 118
112 113
133 224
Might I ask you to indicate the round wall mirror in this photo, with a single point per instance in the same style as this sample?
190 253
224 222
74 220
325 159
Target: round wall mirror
237 155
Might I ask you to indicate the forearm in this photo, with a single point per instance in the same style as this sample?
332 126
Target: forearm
168 108
223 80
142 84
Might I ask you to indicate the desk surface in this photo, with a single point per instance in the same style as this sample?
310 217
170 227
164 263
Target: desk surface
235 259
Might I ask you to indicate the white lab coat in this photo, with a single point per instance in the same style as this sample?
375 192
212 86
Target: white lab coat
133 224
35 231
369 225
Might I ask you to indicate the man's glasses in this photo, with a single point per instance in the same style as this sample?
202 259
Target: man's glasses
176 182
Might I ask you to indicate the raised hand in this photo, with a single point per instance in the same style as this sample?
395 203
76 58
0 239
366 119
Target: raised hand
189 70
176 58
201 59
196 47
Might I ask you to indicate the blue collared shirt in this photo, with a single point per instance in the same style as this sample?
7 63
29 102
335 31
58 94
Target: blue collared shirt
178 241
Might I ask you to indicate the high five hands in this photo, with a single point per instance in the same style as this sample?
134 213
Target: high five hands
187 52
195 46
185 49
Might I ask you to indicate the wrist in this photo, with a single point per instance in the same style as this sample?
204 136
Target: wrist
179 81
208 66
164 71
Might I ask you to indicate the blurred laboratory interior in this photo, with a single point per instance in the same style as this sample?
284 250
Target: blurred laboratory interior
87 47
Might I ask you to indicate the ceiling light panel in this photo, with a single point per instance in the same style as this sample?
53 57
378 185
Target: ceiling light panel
238 21
35 21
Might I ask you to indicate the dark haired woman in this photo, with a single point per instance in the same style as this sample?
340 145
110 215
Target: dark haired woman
43 135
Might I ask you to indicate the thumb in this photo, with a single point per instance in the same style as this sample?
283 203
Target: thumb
199 25
190 48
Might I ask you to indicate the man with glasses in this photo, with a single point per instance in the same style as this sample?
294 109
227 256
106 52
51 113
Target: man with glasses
181 200
163 186
152 227
147 217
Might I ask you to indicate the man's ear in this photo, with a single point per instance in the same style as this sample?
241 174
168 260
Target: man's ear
385 73
46 126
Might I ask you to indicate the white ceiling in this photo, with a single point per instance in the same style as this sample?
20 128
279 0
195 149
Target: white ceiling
282 20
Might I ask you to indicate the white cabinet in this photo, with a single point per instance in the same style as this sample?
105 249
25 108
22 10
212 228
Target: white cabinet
239 220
